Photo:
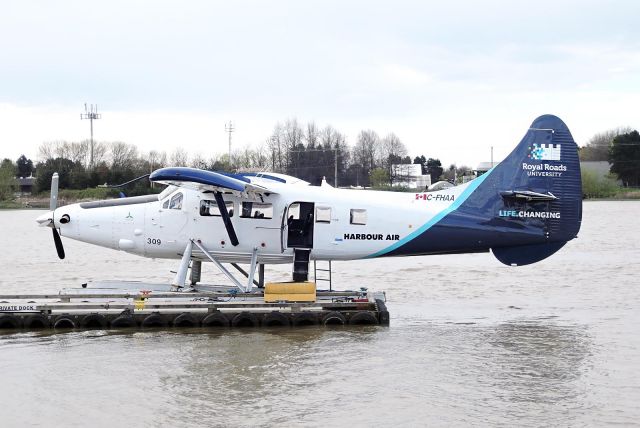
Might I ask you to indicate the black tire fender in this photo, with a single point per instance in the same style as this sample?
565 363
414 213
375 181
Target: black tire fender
304 318
154 320
185 320
123 321
9 321
245 319
334 318
276 319
94 321
36 321
65 322
216 319
363 318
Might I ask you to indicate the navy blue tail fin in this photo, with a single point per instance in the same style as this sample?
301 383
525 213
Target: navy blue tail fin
539 194
524 209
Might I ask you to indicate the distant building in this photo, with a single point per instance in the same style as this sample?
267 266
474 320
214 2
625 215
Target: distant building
25 185
484 167
410 175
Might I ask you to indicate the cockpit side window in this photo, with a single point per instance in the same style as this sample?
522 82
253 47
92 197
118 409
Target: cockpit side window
210 208
176 201
165 205
256 210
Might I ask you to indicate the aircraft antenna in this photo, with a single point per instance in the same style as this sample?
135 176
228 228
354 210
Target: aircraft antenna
229 128
92 114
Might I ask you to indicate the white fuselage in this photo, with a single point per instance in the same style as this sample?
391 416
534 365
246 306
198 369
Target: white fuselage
344 225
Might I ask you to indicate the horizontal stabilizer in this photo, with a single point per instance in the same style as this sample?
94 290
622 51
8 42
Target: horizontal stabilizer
528 196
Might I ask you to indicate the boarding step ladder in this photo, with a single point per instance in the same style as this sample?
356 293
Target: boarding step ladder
324 271
301 264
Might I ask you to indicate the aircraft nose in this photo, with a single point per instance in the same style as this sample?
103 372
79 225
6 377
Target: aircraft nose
45 219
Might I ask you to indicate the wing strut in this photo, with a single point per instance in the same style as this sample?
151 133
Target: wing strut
226 219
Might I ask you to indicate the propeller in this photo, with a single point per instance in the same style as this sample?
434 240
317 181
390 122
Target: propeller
47 219
58 242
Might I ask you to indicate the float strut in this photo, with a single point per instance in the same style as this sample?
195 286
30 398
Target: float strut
252 271
181 274
219 265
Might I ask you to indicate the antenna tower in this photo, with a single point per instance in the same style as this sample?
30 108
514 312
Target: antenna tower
228 127
91 113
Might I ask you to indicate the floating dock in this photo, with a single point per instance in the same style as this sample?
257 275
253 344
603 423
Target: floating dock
111 304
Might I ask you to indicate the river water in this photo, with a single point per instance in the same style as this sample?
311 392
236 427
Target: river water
471 342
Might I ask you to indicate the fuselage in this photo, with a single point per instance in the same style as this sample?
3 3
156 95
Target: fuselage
334 224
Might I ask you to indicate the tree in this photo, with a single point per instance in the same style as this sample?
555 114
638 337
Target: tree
365 150
46 169
624 157
379 177
25 166
597 149
421 160
179 157
434 169
8 184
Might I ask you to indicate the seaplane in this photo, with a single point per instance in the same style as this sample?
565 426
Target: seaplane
522 210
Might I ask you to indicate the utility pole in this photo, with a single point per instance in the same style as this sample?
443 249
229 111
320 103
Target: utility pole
91 113
491 156
228 127
335 167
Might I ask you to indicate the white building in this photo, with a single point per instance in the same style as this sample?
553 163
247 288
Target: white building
410 175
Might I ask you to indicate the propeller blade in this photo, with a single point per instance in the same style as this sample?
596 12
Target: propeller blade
53 202
58 241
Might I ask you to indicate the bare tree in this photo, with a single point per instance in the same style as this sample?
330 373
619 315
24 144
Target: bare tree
157 160
79 151
260 157
47 150
123 155
366 149
277 149
179 157
597 149
312 135
100 152
199 161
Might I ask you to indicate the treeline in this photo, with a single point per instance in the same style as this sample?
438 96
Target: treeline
620 147
305 151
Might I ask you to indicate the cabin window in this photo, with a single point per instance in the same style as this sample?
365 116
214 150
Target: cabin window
323 215
256 210
210 208
358 216
166 204
176 201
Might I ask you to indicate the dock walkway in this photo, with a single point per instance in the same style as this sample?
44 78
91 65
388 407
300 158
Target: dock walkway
111 304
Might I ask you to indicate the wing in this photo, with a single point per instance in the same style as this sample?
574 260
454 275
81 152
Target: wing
202 180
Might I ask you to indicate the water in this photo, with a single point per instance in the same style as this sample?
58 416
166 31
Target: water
471 342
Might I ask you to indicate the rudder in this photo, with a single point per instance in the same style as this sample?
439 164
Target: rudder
545 194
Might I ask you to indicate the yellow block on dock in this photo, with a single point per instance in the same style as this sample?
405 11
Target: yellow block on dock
290 292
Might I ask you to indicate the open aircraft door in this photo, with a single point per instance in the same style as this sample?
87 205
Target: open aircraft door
297 225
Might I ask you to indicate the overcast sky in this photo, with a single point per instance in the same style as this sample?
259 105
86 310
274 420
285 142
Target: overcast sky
451 79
